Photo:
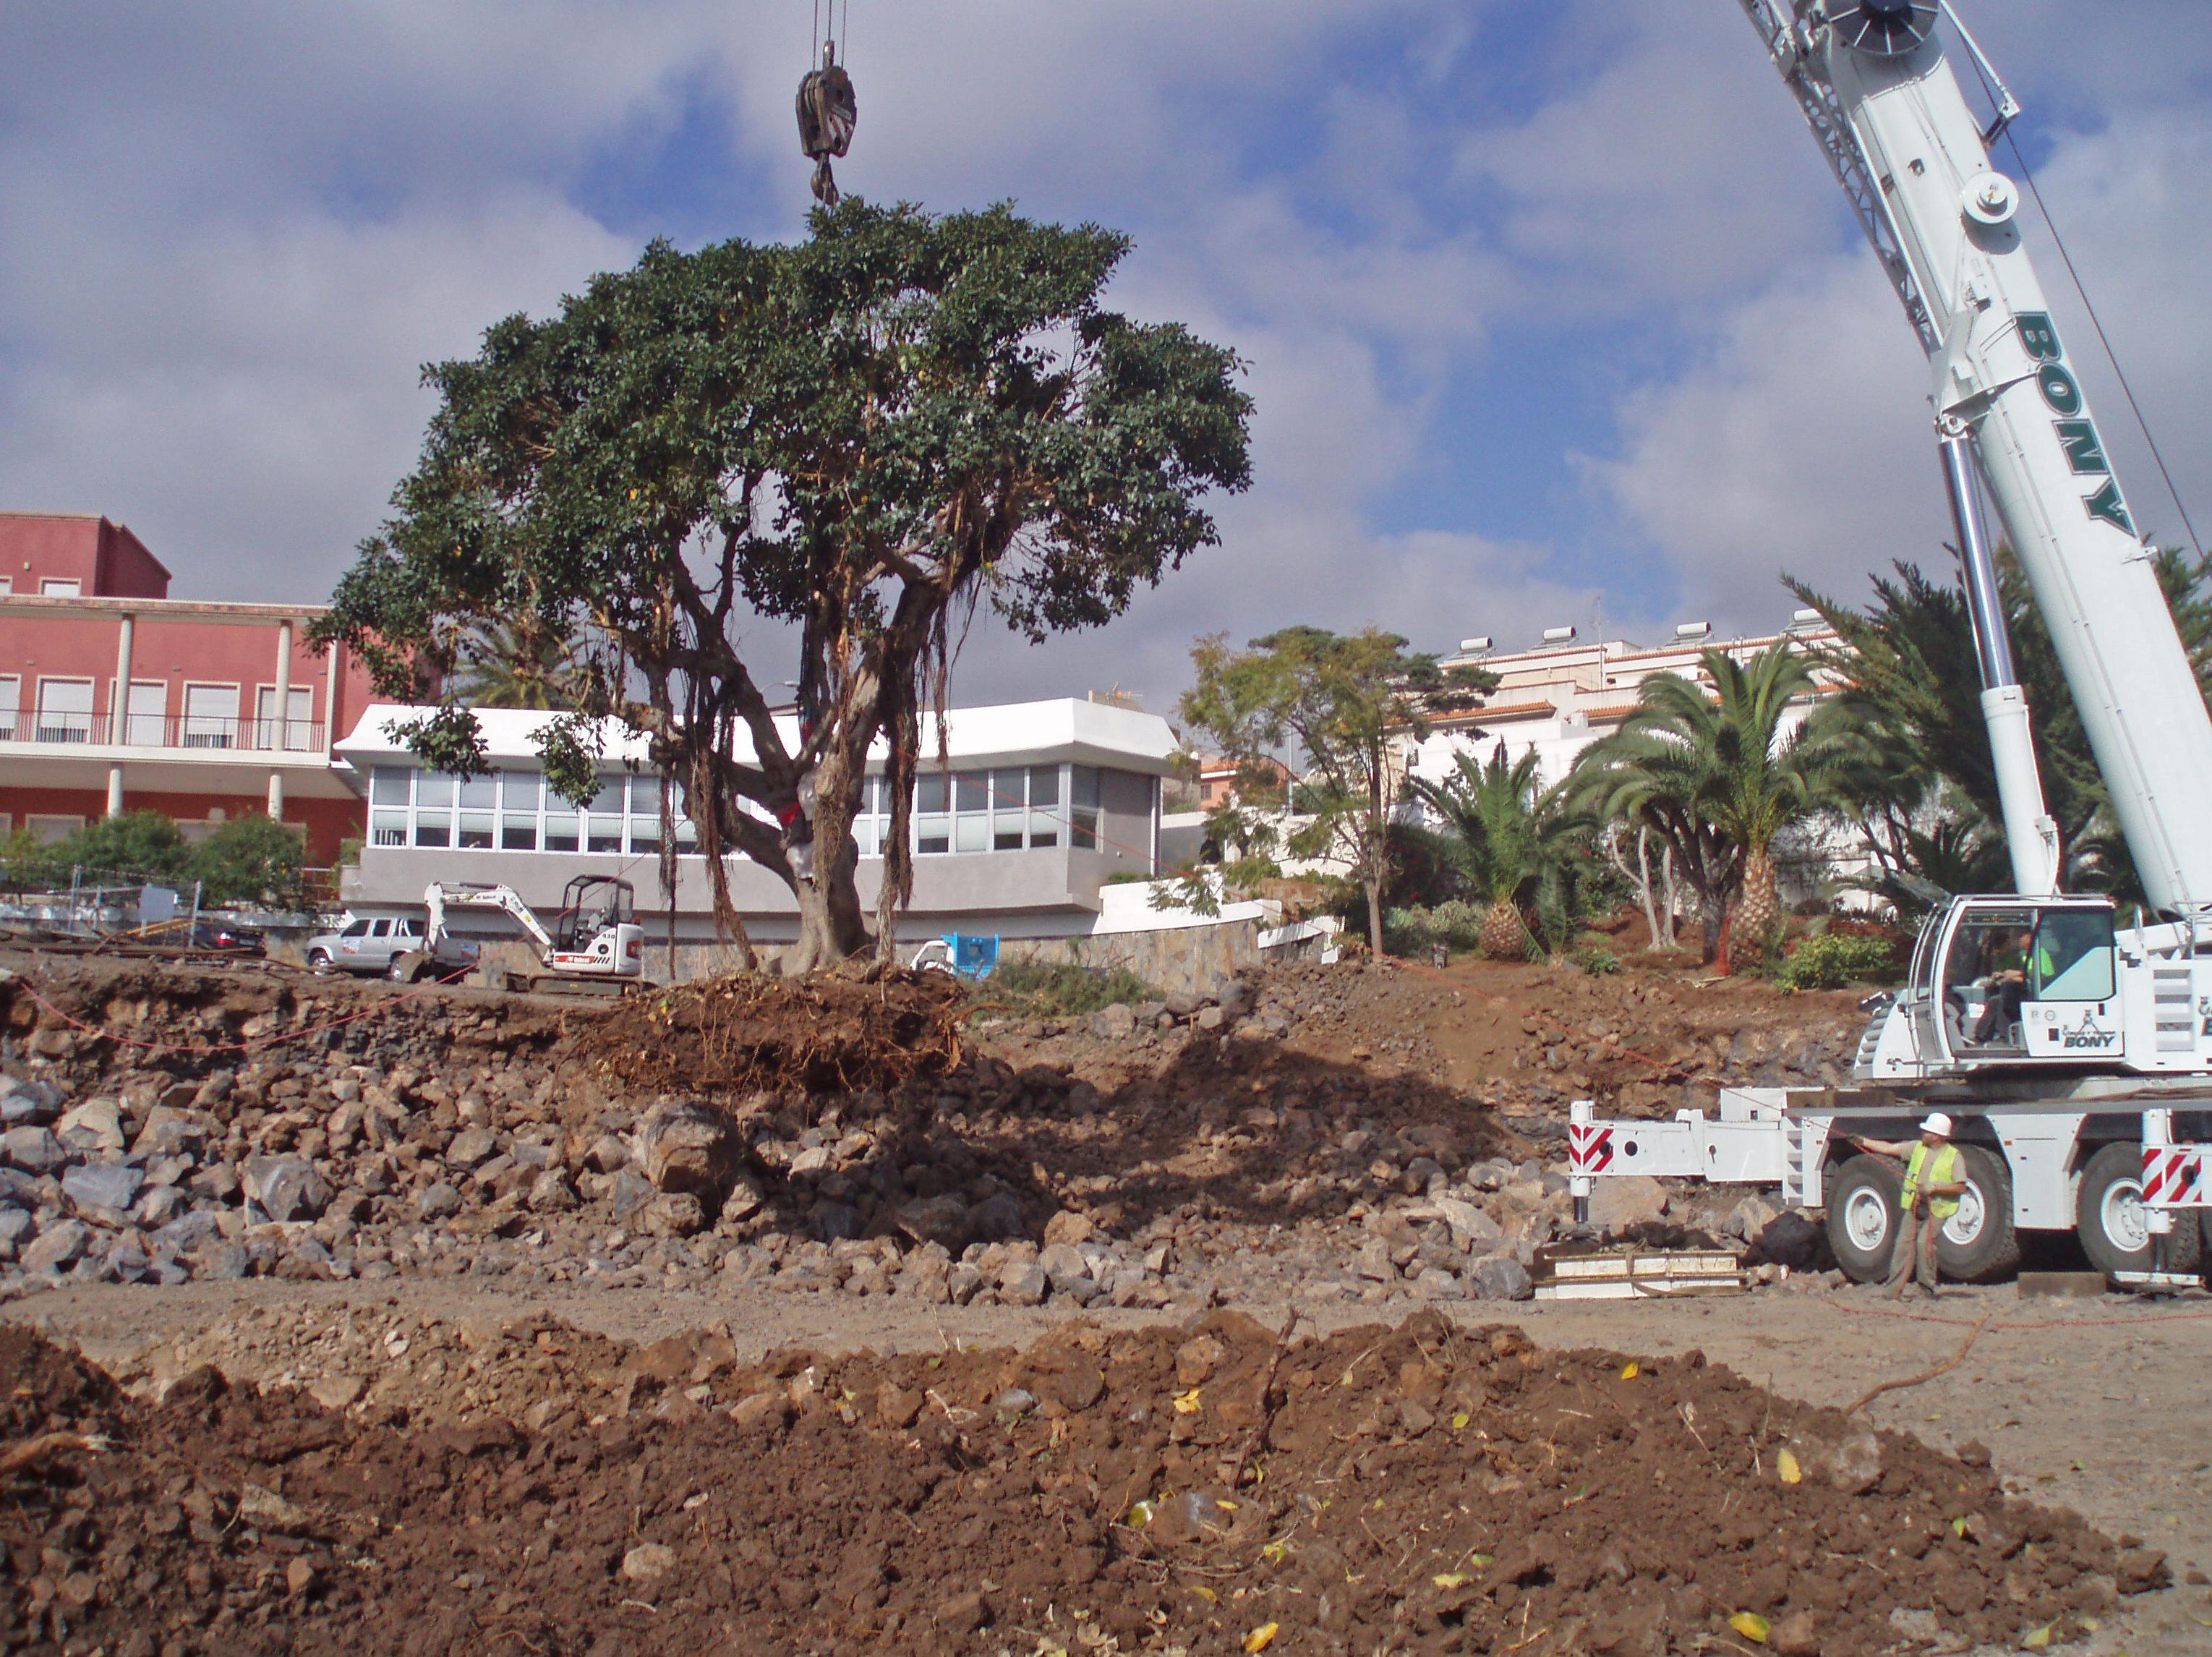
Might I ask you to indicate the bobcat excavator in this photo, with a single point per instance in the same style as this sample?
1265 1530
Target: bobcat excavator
596 942
2074 1051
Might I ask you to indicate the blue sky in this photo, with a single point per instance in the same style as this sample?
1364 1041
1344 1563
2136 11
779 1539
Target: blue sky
1553 313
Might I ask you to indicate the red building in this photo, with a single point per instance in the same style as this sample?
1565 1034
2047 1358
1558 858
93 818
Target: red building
115 696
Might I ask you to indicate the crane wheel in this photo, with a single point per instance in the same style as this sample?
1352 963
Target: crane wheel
2109 1217
1862 1217
1978 1243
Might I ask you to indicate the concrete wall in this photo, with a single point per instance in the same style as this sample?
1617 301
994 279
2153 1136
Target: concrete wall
1196 959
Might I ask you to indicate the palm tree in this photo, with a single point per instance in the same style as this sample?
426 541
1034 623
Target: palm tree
1518 842
1717 776
515 665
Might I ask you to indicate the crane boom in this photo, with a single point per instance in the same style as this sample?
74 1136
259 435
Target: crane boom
1880 95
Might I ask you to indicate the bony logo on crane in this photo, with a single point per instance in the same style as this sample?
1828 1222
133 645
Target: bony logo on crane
2061 394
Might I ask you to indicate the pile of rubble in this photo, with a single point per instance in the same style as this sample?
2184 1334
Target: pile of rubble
156 1126
1427 1488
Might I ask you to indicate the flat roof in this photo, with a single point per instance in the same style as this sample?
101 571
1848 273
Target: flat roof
1014 733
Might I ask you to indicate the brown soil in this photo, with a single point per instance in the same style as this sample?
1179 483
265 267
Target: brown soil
1431 1489
727 1036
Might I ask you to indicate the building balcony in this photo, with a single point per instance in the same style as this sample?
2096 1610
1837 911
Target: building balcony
253 738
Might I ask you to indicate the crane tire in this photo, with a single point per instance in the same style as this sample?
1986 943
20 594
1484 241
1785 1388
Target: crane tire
1863 1216
2108 1215
1979 1243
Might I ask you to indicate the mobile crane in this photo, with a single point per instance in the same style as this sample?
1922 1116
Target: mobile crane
2074 1054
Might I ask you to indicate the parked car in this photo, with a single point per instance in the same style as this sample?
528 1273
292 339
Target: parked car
212 932
367 945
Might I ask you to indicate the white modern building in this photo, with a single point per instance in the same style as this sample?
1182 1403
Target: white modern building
1035 808
1564 694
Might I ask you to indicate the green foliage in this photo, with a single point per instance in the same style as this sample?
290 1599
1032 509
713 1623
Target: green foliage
1415 929
860 436
1514 841
1125 877
251 859
1597 961
1064 989
518 663
1927 802
140 845
1829 960
1711 772
1342 702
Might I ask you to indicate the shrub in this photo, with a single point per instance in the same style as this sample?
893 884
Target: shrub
1064 988
1835 959
251 859
1597 961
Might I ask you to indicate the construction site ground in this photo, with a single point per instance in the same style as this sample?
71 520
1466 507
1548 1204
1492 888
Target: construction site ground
498 1444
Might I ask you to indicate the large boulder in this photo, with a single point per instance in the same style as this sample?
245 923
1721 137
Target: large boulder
34 1150
23 1102
94 1126
940 1220
682 1145
1117 1022
171 1132
58 1248
1633 1199
1500 1277
287 1187
1792 1240
110 1186
675 1214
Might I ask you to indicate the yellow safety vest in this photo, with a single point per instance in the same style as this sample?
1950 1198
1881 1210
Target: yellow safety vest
1918 1173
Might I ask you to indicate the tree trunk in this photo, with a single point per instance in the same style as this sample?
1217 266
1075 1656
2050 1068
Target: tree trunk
1505 935
1758 910
1374 890
1710 912
1644 888
1671 894
831 927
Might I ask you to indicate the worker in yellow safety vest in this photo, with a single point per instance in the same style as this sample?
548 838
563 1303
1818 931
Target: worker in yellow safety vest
1935 1180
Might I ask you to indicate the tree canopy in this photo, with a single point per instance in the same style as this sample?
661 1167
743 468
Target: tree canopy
1928 804
864 435
1518 844
1717 776
1348 705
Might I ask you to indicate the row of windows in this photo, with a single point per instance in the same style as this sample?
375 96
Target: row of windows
1007 809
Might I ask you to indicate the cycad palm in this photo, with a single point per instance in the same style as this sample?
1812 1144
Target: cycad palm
511 666
1714 773
1515 840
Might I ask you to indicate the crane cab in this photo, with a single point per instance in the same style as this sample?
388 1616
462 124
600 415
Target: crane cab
2006 983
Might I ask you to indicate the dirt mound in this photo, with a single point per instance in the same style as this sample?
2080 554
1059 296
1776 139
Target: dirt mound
829 1031
1431 1488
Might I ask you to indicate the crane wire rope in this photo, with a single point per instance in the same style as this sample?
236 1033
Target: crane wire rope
2065 258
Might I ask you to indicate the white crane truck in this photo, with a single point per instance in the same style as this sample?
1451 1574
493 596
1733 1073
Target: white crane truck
2075 1053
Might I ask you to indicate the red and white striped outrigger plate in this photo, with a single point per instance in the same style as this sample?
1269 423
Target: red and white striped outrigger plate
2173 1176
1590 1148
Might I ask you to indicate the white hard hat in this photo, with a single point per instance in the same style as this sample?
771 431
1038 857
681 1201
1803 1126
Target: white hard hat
1937 1123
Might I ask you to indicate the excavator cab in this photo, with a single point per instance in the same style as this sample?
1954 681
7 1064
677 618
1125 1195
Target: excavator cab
2005 980
595 909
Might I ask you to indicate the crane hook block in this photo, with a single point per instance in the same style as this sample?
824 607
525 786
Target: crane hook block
827 114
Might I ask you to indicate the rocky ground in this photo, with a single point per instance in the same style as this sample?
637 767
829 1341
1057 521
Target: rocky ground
1355 1133
444 1317
1212 1486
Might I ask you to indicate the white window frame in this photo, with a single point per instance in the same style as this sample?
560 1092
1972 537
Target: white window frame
11 709
145 728
61 587
59 731
49 826
229 734
298 726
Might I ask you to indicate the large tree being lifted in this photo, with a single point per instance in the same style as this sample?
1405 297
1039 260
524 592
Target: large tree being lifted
866 435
